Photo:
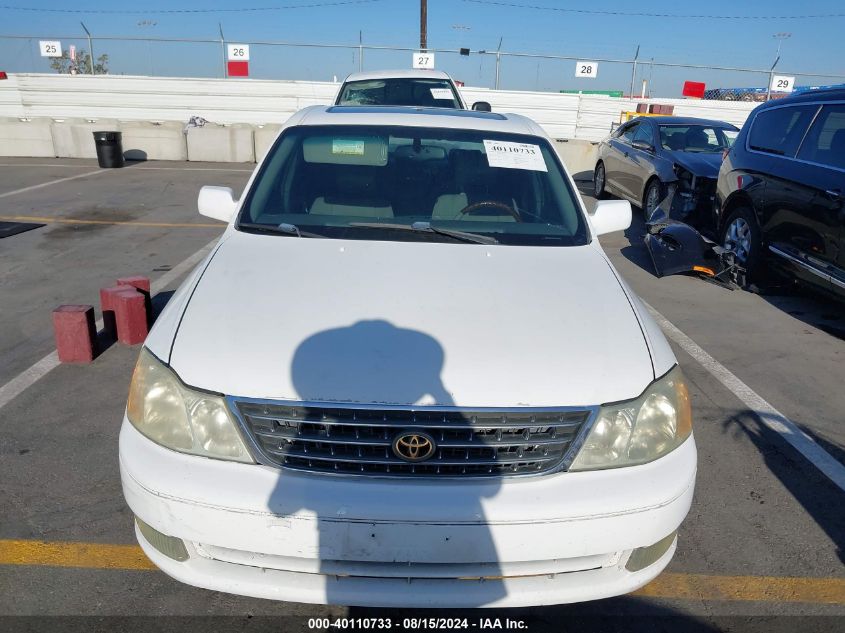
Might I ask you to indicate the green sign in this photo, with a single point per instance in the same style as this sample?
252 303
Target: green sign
609 93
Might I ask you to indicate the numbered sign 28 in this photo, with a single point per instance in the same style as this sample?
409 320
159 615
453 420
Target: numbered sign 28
237 52
50 48
423 60
587 70
782 83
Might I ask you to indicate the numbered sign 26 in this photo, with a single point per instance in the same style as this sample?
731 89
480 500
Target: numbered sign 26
237 52
587 70
782 83
50 48
423 60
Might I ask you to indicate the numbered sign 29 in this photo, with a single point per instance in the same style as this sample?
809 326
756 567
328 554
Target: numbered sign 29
237 52
423 60
782 83
586 70
50 48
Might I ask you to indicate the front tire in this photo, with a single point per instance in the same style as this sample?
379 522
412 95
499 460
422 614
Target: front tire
599 181
654 195
741 234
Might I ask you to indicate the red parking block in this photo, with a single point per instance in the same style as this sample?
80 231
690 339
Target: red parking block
139 282
76 336
107 307
142 284
130 316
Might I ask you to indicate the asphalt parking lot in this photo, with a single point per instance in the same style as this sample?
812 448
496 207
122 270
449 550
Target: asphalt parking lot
765 536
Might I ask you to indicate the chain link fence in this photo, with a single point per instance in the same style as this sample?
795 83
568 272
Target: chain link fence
172 57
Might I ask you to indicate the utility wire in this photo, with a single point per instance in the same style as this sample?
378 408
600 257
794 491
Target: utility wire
334 3
657 15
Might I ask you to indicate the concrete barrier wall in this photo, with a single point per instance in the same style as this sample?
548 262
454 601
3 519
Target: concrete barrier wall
246 114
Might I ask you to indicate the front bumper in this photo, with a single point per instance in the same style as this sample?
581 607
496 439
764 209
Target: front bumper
260 531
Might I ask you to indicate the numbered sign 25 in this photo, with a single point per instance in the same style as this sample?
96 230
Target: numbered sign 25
237 52
589 70
782 83
423 60
50 48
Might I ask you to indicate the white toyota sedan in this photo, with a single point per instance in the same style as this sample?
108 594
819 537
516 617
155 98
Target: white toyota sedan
408 375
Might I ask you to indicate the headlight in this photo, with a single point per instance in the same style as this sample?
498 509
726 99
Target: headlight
182 419
641 430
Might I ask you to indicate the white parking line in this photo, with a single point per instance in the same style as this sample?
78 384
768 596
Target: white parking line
773 419
33 374
51 182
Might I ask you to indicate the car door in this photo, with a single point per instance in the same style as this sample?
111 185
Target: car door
823 152
616 158
787 220
638 164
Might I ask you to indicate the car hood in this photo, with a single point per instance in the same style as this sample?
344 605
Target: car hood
699 163
411 323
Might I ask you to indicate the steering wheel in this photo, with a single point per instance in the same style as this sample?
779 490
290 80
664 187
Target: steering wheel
475 206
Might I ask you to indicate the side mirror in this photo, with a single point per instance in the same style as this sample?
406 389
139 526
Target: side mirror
482 106
643 145
610 216
217 203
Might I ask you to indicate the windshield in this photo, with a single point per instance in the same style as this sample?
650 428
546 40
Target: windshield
696 138
430 93
363 182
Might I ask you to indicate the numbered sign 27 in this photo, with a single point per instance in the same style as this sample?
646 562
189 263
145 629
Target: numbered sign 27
423 60
587 70
50 48
237 52
782 83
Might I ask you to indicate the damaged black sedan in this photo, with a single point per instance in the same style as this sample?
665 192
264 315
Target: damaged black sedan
650 159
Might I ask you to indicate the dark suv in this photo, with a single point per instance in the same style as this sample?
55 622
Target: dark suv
779 197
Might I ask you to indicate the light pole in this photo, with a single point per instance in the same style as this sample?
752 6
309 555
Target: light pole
780 37
143 24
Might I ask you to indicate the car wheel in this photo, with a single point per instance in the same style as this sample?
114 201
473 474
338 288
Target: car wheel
654 195
741 234
599 180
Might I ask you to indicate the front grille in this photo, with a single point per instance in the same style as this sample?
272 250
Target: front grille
352 440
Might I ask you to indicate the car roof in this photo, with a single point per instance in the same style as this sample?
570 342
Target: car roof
407 73
685 120
413 116
820 94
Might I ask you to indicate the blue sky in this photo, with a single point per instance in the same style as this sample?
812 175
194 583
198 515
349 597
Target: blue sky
815 45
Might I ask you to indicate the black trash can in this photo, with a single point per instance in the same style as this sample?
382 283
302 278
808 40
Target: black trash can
109 149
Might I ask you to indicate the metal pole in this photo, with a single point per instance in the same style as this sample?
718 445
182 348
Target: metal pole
423 25
498 59
223 50
634 70
90 48
360 51
771 77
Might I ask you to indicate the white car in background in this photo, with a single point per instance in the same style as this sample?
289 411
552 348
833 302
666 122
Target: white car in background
408 375
415 87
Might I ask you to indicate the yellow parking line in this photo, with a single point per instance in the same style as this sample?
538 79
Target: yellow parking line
746 588
668 585
52 220
85 555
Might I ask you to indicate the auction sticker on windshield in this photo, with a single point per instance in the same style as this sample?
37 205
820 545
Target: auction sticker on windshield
348 147
514 155
441 93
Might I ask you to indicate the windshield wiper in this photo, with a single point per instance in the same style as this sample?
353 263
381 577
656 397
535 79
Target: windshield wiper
278 229
425 227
